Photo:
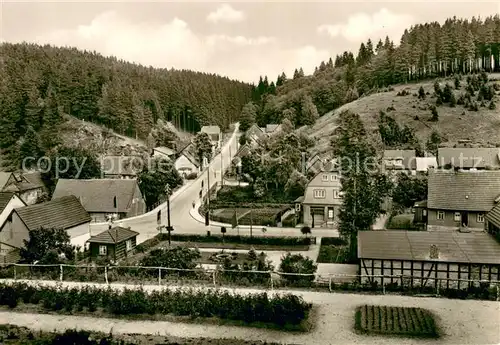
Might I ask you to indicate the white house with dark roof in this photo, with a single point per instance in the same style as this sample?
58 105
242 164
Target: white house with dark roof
186 162
255 135
121 167
8 202
397 161
28 186
322 200
102 197
65 213
466 158
461 199
164 152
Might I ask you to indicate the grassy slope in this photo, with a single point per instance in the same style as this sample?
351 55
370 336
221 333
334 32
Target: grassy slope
482 127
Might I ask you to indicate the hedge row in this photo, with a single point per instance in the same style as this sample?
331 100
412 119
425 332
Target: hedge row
282 311
267 240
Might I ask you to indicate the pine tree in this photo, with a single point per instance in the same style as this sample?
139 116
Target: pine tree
247 117
308 111
30 150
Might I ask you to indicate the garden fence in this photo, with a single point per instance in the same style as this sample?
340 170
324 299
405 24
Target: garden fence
218 277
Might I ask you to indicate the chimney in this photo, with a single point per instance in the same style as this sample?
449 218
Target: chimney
434 252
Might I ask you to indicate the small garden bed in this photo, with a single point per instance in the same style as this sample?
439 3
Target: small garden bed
333 251
241 246
235 258
11 334
287 312
412 322
239 194
247 216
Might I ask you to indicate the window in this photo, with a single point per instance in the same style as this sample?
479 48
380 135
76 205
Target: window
319 193
333 177
440 215
325 177
480 217
129 245
330 213
103 250
424 212
336 194
457 217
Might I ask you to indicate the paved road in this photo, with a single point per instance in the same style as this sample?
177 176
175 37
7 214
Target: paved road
334 321
180 204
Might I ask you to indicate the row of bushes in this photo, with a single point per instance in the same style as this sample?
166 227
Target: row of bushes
282 311
261 240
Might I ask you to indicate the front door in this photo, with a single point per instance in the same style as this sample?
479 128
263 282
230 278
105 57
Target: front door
465 219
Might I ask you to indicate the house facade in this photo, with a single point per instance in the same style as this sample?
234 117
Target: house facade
28 186
322 200
461 199
8 202
113 244
103 197
63 213
215 135
255 135
164 152
466 158
186 162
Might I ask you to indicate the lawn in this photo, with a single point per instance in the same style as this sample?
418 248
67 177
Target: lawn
247 216
242 246
411 322
332 251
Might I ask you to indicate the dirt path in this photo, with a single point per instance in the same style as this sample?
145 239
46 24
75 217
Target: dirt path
462 322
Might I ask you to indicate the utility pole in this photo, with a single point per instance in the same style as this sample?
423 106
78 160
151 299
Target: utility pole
221 170
251 220
169 226
208 196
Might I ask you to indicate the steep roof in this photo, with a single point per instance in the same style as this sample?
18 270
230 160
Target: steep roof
453 246
331 184
5 199
97 195
463 190
407 156
113 236
494 216
210 129
121 165
35 178
255 132
64 213
271 128
464 157
165 150
4 178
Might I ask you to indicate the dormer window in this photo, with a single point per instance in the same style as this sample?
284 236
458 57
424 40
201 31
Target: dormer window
324 178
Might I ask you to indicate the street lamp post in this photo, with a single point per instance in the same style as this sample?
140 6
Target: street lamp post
169 226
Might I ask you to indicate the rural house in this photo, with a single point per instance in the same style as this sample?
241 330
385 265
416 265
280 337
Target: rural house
425 258
28 186
164 152
461 199
255 135
103 197
114 243
187 162
396 161
6 179
214 133
272 129
121 167
466 158
8 202
63 213
322 200
424 164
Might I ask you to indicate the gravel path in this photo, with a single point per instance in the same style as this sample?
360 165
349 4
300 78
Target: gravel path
462 322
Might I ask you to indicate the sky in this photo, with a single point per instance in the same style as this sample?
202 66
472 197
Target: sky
241 40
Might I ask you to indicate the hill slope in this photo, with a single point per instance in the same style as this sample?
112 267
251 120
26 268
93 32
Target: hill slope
39 85
455 123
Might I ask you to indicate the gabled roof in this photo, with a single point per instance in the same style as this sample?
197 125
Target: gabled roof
255 132
97 195
120 165
453 246
113 236
210 129
4 178
466 158
165 150
494 216
463 190
330 185
188 152
5 198
63 213
271 128
408 158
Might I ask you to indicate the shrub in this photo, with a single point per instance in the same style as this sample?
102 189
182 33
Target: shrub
270 240
453 100
305 230
333 241
492 106
435 115
457 82
289 221
402 221
297 263
280 310
437 88
473 106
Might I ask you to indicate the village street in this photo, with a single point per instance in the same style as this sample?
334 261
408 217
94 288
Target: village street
334 320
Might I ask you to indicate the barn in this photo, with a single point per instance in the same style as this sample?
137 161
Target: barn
421 258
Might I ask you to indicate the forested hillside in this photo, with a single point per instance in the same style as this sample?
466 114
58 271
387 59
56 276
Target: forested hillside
38 84
425 51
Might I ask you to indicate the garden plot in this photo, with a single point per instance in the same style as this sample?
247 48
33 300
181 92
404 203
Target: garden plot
413 322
